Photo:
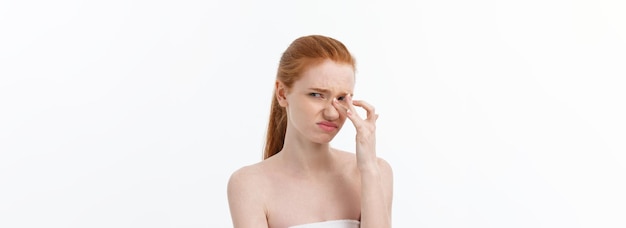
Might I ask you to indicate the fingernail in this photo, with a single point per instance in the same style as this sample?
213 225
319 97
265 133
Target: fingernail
348 112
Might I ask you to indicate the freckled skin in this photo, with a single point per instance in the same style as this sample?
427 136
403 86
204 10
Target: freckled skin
305 110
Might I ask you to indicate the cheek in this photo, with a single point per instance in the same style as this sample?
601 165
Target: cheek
304 109
313 106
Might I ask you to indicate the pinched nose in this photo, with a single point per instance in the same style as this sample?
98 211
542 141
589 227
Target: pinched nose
330 112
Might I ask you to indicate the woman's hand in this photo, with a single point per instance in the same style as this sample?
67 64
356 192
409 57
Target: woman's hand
376 174
365 131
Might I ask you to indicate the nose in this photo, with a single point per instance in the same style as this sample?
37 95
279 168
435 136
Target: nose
330 112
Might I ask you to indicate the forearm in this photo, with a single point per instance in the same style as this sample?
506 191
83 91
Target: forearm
375 212
376 174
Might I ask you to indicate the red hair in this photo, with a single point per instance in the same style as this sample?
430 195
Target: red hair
302 53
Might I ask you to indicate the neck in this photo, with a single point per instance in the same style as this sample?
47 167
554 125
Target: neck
305 156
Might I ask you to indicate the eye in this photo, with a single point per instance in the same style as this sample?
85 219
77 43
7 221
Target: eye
342 98
318 95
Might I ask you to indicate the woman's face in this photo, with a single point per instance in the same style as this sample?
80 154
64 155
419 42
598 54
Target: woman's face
310 111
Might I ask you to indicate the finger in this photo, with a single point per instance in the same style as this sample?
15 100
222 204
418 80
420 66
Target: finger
371 112
348 111
351 107
342 109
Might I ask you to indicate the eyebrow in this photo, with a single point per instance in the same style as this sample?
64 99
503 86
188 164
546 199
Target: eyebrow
326 91
320 90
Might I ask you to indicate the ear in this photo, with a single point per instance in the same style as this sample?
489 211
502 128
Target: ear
281 93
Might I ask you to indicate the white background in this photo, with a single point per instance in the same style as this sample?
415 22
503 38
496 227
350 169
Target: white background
135 113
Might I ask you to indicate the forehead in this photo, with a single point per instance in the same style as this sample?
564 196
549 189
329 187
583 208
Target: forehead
328 75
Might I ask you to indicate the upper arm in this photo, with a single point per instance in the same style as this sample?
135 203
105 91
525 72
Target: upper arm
245 200
387 181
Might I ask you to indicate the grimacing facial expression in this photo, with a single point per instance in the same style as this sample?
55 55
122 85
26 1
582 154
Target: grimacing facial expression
308 102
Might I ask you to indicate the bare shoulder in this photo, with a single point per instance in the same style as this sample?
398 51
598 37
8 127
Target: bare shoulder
386 174
385 167
349 158
246 198
246 178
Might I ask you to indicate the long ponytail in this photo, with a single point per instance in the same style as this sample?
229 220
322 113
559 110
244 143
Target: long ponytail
276 129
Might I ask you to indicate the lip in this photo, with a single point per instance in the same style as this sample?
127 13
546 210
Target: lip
327 126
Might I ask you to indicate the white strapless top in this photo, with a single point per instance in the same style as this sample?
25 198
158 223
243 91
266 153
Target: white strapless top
331 224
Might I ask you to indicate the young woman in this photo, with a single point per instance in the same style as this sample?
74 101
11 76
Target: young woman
302 181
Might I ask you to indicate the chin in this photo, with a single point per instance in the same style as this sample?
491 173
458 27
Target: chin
322 139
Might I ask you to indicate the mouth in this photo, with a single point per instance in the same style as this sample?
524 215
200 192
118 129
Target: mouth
327 126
